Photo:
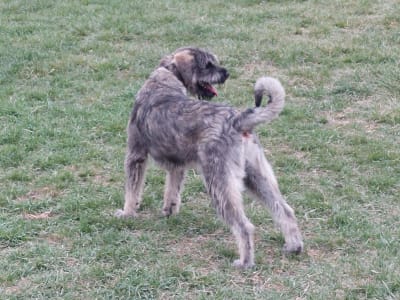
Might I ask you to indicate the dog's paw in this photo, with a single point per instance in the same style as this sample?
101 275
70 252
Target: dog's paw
240 265
166 212
172 209
293 248
293 242
122 214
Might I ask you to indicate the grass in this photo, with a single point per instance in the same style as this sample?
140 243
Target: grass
69 72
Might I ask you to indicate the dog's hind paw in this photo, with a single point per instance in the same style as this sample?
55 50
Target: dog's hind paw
171 209
293 248
122 214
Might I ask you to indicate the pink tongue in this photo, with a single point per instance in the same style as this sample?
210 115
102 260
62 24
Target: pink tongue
212 89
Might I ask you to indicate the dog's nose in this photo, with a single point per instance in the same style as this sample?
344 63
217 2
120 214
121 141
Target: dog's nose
226 73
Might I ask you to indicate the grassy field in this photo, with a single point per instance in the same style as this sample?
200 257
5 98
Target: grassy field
69 72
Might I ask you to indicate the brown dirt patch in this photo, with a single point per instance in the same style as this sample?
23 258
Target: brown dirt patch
38 216
40 194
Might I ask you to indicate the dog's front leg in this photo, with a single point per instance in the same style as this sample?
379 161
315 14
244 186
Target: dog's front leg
135 169
173 187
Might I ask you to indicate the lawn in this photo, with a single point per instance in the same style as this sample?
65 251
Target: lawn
69 72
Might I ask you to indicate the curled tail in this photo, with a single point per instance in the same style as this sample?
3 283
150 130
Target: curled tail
250 118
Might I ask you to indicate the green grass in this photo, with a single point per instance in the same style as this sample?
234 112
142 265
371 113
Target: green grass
69 71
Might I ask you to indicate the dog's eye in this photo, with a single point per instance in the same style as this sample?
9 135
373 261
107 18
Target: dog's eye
209 65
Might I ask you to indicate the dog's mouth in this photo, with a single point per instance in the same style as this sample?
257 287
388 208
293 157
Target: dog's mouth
205 88
208 90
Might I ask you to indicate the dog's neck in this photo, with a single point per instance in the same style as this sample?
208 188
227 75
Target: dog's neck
160 76
173 69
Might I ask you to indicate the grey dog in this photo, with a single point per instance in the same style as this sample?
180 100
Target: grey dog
179 133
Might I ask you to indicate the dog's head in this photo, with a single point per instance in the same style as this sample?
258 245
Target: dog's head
197 69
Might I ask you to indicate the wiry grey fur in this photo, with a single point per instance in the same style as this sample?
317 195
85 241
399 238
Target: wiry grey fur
179 132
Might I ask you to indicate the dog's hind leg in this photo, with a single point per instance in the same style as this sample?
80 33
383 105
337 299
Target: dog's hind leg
225 187
261 182
173 186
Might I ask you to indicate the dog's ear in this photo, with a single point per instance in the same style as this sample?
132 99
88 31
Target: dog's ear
179 63
166 61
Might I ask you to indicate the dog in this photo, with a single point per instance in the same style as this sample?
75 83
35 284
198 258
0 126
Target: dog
180 133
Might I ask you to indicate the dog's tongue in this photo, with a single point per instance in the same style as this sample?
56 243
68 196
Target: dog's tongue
212 89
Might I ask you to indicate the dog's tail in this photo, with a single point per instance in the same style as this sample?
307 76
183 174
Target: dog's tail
250 118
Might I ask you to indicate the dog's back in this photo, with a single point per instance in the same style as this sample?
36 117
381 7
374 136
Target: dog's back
173 126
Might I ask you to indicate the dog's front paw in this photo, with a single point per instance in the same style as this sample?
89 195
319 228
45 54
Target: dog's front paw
122 214
243 265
